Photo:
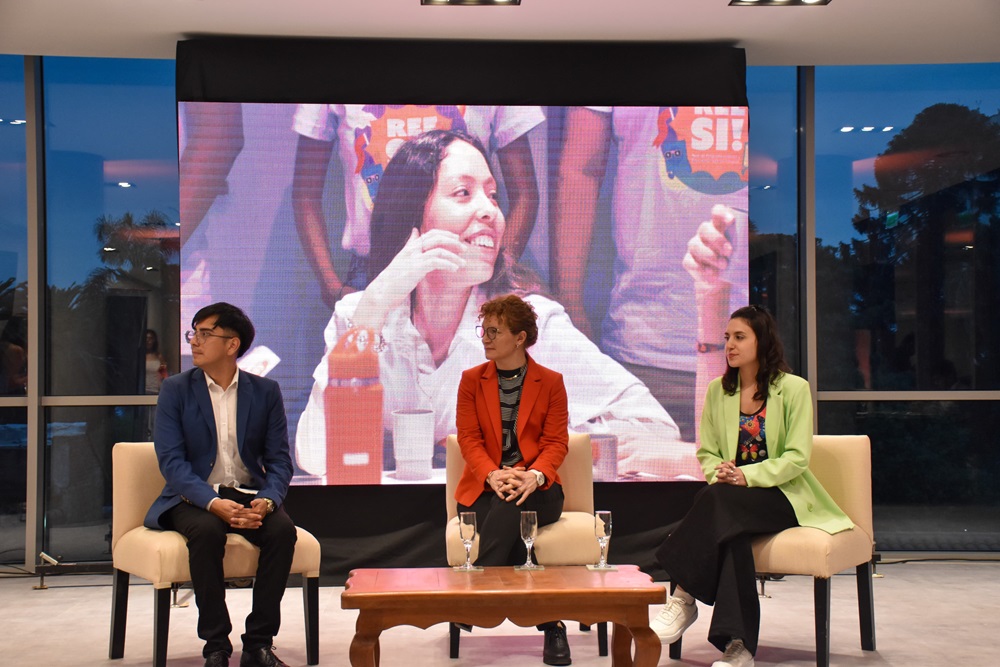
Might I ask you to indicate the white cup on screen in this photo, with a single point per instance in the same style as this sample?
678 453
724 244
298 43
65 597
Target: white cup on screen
413 442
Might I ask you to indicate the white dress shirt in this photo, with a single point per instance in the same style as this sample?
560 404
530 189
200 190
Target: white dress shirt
229 469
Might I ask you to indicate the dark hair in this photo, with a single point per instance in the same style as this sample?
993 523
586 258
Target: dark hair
516 313
156 341
403 190
228 317
770 351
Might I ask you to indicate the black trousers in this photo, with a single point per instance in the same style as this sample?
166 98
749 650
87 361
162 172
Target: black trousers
499 524
206 535
708 554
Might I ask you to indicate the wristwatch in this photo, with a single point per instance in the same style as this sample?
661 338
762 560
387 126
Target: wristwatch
270 505
539 477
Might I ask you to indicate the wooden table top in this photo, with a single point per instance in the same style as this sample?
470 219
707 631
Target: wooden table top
372 587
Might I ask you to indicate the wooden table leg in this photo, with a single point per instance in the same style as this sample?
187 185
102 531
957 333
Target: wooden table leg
621 646
365 645
647 647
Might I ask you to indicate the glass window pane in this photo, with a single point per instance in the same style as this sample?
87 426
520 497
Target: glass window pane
78 476
13 483
112 216
774 259
934 467
907 190
13 229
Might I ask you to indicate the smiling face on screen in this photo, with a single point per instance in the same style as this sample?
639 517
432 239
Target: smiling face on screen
464 201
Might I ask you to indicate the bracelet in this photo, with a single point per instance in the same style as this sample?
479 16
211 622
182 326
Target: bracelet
704 348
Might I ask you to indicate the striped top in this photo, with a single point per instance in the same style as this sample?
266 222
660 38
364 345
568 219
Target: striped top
511 383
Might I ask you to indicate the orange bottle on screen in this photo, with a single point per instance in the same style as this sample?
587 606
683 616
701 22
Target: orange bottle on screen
353 407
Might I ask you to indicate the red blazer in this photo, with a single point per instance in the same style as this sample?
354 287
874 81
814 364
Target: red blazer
542 425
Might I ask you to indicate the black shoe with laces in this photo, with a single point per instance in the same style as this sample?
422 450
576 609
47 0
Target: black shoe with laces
260 657
556 651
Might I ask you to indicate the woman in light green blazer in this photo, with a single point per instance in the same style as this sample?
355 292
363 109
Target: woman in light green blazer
756 440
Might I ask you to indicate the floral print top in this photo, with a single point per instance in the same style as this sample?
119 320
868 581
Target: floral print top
752 441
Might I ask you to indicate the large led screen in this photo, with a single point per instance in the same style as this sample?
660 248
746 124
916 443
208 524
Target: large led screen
624 227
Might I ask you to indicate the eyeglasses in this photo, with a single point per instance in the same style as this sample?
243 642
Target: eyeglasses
490 332
202 335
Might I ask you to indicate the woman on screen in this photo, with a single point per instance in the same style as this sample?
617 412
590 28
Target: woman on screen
437 255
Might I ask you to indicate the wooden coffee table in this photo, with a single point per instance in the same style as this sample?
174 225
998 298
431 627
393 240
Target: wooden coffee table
423 597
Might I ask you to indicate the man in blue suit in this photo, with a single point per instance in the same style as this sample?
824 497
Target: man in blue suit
222 444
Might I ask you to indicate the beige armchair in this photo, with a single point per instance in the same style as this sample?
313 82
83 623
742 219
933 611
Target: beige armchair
568 541
161 556
842 464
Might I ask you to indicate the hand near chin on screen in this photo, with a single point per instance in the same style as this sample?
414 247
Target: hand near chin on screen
436 250
709 249
663 460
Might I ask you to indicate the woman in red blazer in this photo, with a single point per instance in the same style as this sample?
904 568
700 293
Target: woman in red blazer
512 420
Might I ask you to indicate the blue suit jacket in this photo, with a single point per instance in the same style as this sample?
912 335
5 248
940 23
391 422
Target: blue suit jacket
186 441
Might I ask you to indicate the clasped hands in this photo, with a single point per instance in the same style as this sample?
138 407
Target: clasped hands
728 472
513 483
239 516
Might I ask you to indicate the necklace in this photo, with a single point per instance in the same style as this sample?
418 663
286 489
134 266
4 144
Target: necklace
519 373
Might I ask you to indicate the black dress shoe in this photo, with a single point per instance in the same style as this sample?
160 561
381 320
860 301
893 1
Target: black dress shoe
217 659
260 657
556 651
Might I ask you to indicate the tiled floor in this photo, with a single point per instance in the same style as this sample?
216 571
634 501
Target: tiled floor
927 613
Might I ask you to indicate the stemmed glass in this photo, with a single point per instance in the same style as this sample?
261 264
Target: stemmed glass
467 531
529 531
602 529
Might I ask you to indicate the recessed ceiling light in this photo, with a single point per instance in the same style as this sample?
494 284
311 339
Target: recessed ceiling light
124 184
847 128
776 3
867 128
18 122
887 128
471 3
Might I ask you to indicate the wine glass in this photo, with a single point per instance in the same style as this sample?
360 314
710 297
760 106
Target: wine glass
602 529
529 531
467 531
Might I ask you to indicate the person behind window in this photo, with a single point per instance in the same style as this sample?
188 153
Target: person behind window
524 403
156 363
756 440
438 253
221 441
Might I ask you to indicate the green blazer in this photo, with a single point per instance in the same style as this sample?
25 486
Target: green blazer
789 425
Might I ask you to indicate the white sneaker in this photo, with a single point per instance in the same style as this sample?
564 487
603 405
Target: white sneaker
675 617
736 655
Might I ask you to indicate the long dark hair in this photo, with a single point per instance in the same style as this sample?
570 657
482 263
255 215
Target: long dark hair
406 184
770 352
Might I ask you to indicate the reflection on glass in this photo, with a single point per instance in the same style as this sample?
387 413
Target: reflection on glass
934 467
906 251
111 251
78 476
13 230
774 257
13 489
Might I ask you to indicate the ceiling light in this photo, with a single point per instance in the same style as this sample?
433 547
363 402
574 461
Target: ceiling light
471 3
776 3
18 122
887 128
124 184
847 128
867 128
